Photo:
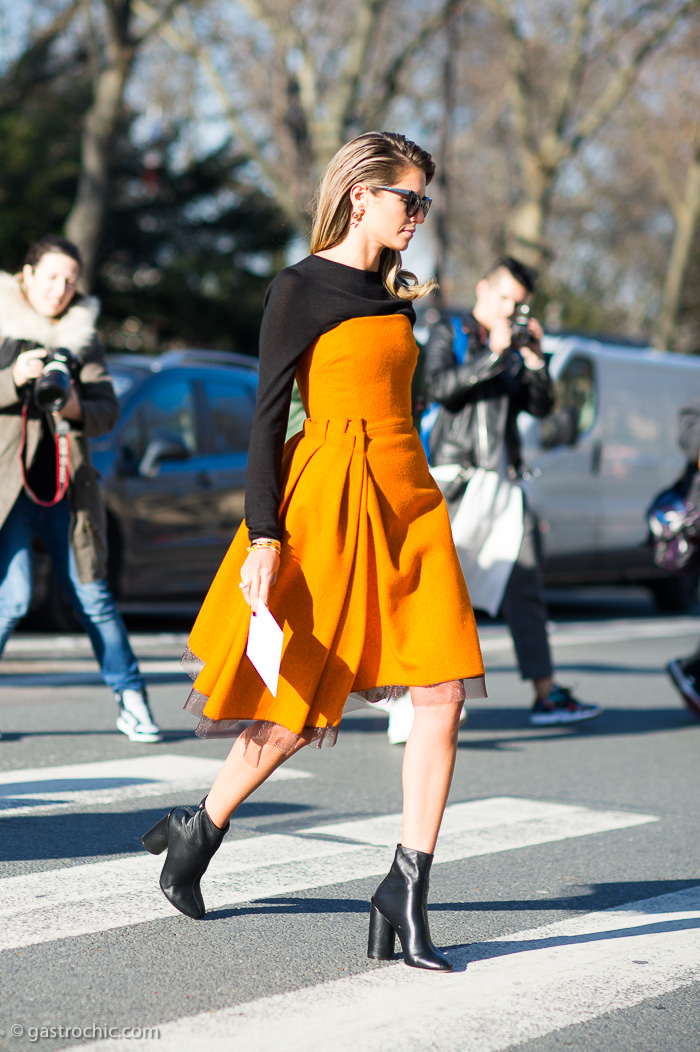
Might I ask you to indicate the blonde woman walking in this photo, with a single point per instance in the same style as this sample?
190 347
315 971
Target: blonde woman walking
346 539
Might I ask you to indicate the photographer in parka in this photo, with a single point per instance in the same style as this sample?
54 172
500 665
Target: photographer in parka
55 394
476 458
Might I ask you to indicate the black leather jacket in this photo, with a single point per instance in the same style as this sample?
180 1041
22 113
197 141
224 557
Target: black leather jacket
480 400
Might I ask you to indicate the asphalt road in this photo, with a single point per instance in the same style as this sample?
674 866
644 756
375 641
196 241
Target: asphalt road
566 887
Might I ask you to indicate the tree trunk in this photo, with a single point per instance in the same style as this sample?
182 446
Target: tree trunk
443 240
527 220
84 223
687 215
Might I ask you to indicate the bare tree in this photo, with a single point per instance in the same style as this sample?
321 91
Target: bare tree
36 64
115 46
569 66
684 202
444 211
664 115
297 79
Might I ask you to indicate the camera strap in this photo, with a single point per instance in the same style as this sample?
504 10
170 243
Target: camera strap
62 461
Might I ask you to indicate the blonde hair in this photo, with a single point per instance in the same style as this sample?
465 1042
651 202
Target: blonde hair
375 159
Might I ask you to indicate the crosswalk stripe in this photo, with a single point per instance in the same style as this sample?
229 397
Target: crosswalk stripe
586 633
51 669
54 789
502 993
56 904
83 673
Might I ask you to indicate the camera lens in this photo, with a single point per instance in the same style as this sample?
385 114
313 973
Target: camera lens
52 389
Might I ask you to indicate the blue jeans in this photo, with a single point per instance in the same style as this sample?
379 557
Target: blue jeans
93 602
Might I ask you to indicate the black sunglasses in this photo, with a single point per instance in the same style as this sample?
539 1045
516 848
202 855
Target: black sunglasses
413 201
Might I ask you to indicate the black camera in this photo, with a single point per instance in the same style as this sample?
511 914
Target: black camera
520 333
52 387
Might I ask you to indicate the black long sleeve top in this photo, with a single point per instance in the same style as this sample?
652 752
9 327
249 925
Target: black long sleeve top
302 303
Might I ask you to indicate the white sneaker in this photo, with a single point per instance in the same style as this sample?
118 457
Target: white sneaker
401 718
135 719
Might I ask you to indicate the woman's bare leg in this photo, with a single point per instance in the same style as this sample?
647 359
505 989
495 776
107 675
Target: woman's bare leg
428 763
246 767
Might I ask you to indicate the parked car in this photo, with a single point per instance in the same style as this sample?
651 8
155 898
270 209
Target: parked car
609 446
172 474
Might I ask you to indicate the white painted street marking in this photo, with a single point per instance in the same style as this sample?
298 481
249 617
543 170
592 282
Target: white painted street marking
32 644
52 789
585 633
503 993
499 823
31 661
64 660
83 673
56 904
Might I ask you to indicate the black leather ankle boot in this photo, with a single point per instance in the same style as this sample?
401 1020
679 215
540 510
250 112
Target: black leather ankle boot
400 907
192 840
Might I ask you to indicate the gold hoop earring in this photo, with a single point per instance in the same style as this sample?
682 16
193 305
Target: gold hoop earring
357 216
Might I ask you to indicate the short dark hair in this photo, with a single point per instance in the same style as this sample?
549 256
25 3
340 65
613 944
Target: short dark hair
51 243
524 275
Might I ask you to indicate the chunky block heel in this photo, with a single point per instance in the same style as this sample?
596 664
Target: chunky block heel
192 840
400 907
156 839
382 937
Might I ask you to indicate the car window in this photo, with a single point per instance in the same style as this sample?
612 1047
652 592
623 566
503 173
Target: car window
575 388
166 411
121 382
230 408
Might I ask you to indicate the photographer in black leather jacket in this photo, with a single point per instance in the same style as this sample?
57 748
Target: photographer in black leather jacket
503 373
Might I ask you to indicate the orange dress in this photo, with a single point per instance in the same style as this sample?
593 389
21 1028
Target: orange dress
369 593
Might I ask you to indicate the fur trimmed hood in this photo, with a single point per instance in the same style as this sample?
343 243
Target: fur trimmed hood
74 330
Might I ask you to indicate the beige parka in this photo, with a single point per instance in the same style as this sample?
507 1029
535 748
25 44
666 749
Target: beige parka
22 329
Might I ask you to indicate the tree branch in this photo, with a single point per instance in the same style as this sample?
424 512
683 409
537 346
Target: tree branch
344 98
521 92
657 158
617 32
625 76
160 18
290 37
187 43
390 79
566 89
27 71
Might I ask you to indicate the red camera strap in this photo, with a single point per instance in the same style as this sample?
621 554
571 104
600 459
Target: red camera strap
62 462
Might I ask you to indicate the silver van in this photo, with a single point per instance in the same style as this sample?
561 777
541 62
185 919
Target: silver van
594 465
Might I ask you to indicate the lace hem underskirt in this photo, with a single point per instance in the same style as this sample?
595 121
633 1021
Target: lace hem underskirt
263 732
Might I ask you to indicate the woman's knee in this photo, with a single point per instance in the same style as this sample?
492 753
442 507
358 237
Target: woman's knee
450 696
439 706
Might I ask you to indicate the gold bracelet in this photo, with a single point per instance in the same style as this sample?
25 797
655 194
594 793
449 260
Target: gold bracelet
265 542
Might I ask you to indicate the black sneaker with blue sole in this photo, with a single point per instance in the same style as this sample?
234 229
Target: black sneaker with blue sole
561 708
685 676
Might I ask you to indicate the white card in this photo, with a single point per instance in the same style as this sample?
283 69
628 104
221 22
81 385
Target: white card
265 647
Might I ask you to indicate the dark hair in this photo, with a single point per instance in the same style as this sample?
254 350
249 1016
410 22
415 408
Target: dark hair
524 275
51 243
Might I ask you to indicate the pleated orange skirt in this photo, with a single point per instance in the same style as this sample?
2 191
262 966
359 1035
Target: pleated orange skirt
370 593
